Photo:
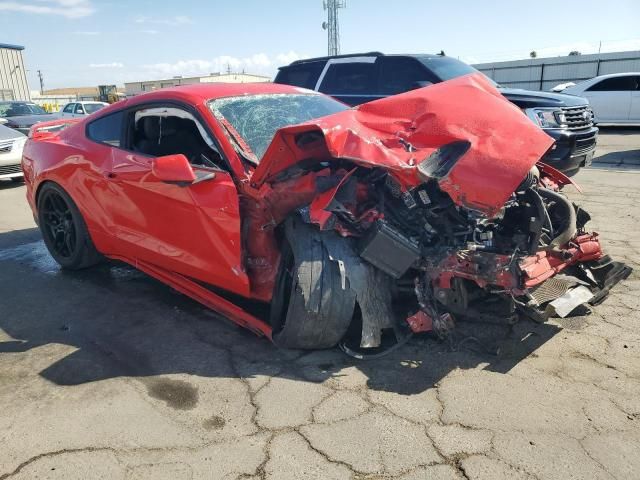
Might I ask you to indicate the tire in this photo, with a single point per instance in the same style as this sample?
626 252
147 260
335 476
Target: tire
63 229
17 179
310 309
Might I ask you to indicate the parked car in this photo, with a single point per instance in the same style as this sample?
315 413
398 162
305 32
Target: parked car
362 77
81 109
22 116
314 224
11 145
615 98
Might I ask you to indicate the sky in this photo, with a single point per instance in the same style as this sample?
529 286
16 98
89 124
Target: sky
90 42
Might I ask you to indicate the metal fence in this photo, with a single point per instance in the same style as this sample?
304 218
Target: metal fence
546 73
53 103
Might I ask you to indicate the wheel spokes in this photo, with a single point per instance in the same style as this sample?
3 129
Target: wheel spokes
59 225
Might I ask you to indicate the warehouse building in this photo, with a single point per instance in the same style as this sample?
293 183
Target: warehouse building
135 88
546 73
13 75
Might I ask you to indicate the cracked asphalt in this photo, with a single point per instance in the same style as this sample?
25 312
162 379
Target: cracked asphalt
107 374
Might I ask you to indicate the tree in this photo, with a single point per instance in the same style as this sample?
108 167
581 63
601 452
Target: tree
533 54
573 53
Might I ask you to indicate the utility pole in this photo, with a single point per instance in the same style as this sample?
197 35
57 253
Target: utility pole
331 25
41 77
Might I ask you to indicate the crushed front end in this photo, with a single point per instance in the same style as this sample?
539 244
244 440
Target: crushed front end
437 209
533 258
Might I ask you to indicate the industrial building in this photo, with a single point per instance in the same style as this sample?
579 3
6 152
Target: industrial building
546 73
13 74
135 88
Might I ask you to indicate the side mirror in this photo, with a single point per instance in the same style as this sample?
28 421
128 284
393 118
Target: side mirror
173 168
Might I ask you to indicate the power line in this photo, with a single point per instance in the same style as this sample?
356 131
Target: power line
332 26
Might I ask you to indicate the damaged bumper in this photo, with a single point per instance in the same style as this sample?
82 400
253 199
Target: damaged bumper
549 283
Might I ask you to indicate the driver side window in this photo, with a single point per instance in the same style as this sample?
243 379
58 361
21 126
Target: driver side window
160 131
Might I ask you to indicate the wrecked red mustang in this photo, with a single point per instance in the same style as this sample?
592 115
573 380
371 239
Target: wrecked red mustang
314 224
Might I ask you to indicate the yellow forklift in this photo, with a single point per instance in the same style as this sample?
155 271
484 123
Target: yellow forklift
109 94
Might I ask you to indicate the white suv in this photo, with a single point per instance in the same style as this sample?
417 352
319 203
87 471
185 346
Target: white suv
11 145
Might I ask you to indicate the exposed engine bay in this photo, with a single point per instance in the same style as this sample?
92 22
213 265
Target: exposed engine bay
445 262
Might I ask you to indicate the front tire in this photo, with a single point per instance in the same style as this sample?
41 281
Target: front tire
63 229
311 308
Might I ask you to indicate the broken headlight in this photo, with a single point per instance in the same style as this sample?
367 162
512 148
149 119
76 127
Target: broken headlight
547 117
439 163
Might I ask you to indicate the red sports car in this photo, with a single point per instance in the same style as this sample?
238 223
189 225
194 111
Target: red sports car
314 224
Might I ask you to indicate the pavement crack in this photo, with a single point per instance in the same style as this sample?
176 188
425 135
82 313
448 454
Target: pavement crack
54 453
327 457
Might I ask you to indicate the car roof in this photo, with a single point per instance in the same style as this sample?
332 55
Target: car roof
210 91
363 54
583 85
612 75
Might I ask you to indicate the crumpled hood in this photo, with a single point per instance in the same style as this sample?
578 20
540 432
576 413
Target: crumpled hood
505 144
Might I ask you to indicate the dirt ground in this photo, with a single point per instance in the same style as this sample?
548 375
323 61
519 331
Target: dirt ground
107 374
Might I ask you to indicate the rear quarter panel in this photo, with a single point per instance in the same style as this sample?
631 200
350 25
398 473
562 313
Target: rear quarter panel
78 166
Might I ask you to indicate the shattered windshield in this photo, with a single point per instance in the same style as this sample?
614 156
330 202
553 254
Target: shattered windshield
256 118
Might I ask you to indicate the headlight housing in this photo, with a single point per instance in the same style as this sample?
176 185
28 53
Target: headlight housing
547 117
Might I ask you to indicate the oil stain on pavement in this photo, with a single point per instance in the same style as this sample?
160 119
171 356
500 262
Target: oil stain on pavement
177 394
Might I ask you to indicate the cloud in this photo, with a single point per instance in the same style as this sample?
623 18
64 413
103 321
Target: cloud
290 56
258 63
87 33
149 32
173 21
107 65
64 8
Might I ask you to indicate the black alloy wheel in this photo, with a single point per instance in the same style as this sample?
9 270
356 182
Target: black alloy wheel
58 226
63 229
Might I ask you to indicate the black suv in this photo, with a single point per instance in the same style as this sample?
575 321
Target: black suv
363 77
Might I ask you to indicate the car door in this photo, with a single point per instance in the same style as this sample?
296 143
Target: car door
68 109
191 229
351 80
610 99
634 115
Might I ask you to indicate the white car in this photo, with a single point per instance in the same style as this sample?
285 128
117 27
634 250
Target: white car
11 145
81 109
615 98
